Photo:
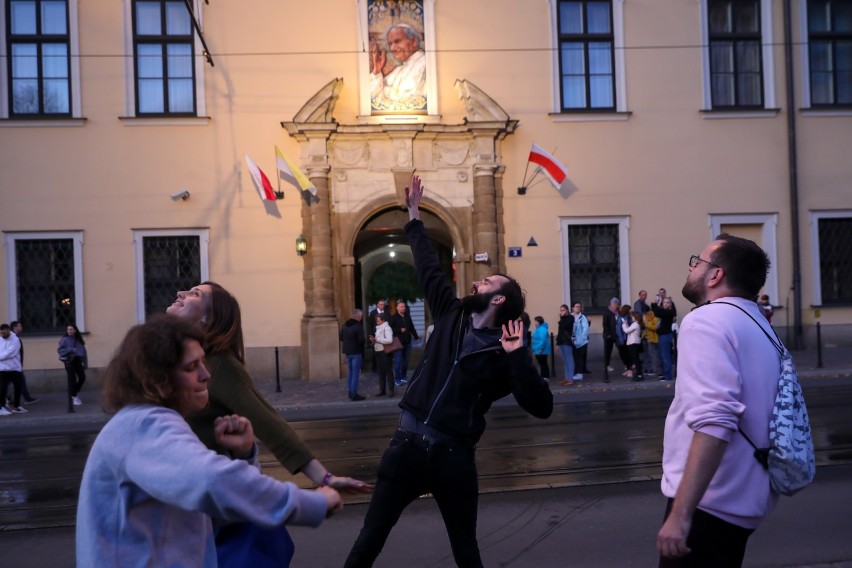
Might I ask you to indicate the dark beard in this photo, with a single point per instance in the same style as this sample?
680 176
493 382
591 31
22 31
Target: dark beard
692 293
477 303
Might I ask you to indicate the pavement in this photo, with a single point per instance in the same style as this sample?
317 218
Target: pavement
307 400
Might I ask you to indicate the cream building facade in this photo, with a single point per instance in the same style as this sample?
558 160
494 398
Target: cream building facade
676 121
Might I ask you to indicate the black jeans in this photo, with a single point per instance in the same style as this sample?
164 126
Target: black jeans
580 359
714 543
411 467
76 374
13 377
385 362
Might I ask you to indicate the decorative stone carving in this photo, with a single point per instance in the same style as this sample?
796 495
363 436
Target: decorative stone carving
402 152
461 175
450 153
352 154
340 175
479 106
320 107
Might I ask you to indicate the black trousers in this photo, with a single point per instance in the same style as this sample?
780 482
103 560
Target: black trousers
714 543
15 378
76 375
580 359
411 467
543 366
385 364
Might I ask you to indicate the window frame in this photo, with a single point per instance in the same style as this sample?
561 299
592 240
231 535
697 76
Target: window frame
73 44
11 238
769 236
813 218
767 60
619 70
130 69
805 46
139 258
623 222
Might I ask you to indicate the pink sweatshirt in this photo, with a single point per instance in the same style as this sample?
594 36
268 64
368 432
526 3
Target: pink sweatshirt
727 374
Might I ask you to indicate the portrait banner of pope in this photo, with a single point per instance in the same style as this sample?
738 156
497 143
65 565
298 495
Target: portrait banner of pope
397 57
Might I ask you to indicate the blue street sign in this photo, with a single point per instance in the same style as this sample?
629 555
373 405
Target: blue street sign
515 252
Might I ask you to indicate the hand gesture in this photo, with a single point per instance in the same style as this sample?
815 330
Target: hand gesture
335 503
349 485
378 60
413 196
513 335
235 434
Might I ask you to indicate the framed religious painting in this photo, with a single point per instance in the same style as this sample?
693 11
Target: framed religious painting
397 62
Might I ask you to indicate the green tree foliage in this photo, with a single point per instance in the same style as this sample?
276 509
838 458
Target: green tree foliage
394 280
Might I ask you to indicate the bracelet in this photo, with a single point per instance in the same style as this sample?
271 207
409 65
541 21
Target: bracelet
326 479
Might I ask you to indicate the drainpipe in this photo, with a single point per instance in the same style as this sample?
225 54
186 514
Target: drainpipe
793 174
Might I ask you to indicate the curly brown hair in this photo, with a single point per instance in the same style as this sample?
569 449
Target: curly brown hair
142 369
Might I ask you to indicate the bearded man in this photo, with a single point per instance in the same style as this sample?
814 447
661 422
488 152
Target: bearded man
474 356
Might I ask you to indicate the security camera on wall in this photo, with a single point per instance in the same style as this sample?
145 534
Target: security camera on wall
181 195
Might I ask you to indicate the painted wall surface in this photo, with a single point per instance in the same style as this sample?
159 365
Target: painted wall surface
664 164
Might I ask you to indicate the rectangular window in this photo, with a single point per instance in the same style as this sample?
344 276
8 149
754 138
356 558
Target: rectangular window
586 55
171 264
167 261
593 264
736 69
835 260
830 52
45 280
38 44
164 56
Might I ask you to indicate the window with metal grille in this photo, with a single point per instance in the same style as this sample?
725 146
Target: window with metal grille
39 71
830 52
736 74
835 260
170 264
163 50
45 284
586 55
594 266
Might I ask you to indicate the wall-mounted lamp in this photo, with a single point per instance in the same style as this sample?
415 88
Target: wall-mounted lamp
301 245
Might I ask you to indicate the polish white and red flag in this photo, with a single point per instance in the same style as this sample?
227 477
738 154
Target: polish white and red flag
550 166
261 182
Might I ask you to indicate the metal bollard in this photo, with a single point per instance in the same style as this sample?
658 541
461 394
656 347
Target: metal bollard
277 372
819 346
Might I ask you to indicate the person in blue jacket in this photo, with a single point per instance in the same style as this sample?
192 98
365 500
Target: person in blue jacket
474 356
541 346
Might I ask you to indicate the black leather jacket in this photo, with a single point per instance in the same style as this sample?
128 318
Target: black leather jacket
450 392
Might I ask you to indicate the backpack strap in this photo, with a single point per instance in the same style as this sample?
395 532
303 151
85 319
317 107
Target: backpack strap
760 454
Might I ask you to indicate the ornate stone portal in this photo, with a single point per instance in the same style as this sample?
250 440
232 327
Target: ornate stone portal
361 170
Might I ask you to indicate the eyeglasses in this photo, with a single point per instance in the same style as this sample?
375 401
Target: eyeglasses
695 259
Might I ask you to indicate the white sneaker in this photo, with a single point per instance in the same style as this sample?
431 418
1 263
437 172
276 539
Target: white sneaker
20 410
578 377
76 400
610 369
4 411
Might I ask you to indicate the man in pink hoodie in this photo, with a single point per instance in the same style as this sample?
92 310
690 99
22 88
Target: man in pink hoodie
727 378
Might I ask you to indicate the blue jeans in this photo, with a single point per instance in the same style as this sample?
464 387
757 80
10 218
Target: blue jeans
567 360
412 467
666 355
400 363
354 364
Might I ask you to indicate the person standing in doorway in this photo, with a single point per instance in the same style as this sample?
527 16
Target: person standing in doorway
352 336
403 328
379 310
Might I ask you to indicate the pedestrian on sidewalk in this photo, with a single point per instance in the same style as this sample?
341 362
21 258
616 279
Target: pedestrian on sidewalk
232 391
474 357
718 493
403 328
631 328
565 331
666 313
26 397
352 336
10 371
541 346
652 342
72 352
150 487
383 338
580 339
379 310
